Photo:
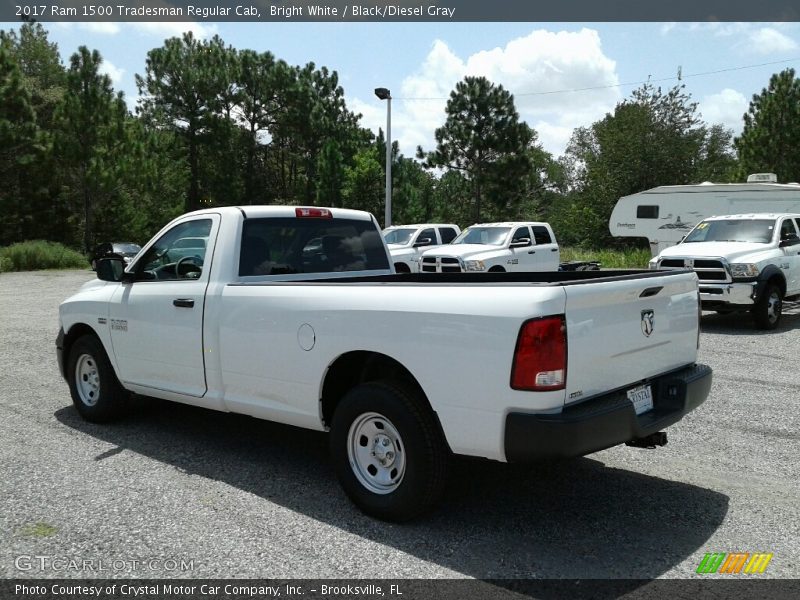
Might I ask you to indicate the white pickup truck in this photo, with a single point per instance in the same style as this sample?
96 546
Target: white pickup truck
743 262
294 315
496 248
406 243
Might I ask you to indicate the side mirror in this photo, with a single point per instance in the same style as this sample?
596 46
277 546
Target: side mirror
790 239
521 242
422 242
111 269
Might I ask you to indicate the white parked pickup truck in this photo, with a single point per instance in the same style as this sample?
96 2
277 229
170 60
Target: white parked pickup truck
744 262
496 248
406 243
294 315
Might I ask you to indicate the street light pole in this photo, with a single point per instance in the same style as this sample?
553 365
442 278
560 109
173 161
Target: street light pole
385 94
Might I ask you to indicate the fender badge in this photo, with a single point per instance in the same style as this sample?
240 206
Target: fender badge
648 322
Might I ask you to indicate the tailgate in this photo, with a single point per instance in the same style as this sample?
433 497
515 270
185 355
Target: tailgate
623 331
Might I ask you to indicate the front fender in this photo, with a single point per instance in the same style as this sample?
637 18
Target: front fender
769 273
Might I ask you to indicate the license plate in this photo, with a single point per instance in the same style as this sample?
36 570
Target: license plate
642 398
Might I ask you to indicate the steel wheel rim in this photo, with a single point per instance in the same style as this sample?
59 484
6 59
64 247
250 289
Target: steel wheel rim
87 379
376 453
773 307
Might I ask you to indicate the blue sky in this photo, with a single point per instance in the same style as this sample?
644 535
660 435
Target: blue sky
421 62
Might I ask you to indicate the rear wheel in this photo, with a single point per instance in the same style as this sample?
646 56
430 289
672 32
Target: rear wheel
767 311
388 452
93 385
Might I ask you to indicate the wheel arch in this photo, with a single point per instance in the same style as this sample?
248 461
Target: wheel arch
771 275
363 366
77 331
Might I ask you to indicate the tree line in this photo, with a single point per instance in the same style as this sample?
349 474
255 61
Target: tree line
216 125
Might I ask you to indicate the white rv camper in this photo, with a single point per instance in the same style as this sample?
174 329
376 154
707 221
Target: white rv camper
665 214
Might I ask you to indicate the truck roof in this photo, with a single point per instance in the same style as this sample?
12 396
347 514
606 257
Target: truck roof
258 210
419 225
508 224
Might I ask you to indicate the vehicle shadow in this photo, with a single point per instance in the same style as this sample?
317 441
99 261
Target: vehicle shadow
572 519
743 324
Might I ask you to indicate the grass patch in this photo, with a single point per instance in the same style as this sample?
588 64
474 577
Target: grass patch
632 258
40 254
38 530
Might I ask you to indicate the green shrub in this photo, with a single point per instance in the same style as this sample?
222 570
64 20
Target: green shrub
632 258
40 254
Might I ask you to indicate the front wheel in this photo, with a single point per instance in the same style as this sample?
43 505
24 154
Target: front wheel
93 385
497 269
767 311
387 451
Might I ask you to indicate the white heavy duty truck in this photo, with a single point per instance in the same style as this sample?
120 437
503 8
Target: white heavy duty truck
295 315
743 262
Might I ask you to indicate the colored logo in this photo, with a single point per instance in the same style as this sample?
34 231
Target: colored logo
734 563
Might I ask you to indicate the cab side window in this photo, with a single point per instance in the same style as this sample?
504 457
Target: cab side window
787 228
426 234
178 254
448 234
520 234
541 235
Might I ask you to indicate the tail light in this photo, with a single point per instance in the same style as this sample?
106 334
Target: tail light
540 358
313 213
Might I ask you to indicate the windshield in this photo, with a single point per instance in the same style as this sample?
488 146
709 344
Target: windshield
757 231
125 248
488 236
398 236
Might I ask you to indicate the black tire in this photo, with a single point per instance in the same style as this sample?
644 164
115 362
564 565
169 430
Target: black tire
769 307
418 449
497 270
401 268
93 385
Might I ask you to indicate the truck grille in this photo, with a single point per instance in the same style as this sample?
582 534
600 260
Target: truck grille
709 270
440 264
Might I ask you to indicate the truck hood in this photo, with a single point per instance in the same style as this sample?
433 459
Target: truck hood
732 251
397 247
464 250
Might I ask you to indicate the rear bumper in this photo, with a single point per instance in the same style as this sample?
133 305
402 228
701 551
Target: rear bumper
606 420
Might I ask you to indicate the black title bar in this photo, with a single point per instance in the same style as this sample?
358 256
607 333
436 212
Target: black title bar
400 10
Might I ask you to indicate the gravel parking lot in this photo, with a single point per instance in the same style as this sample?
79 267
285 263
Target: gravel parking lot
175 491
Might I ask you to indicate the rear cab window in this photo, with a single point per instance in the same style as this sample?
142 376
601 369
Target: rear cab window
289 246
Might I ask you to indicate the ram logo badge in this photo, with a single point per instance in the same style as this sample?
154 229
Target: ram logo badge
648 322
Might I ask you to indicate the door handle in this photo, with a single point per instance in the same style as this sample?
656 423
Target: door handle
553 249
531 251
183 302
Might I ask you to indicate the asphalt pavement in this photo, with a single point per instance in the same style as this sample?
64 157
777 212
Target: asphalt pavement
176 491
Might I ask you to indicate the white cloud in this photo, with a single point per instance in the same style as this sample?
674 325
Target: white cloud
155 29
533 68
726 107
746 38
113 72
101 27
767 40
174 29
